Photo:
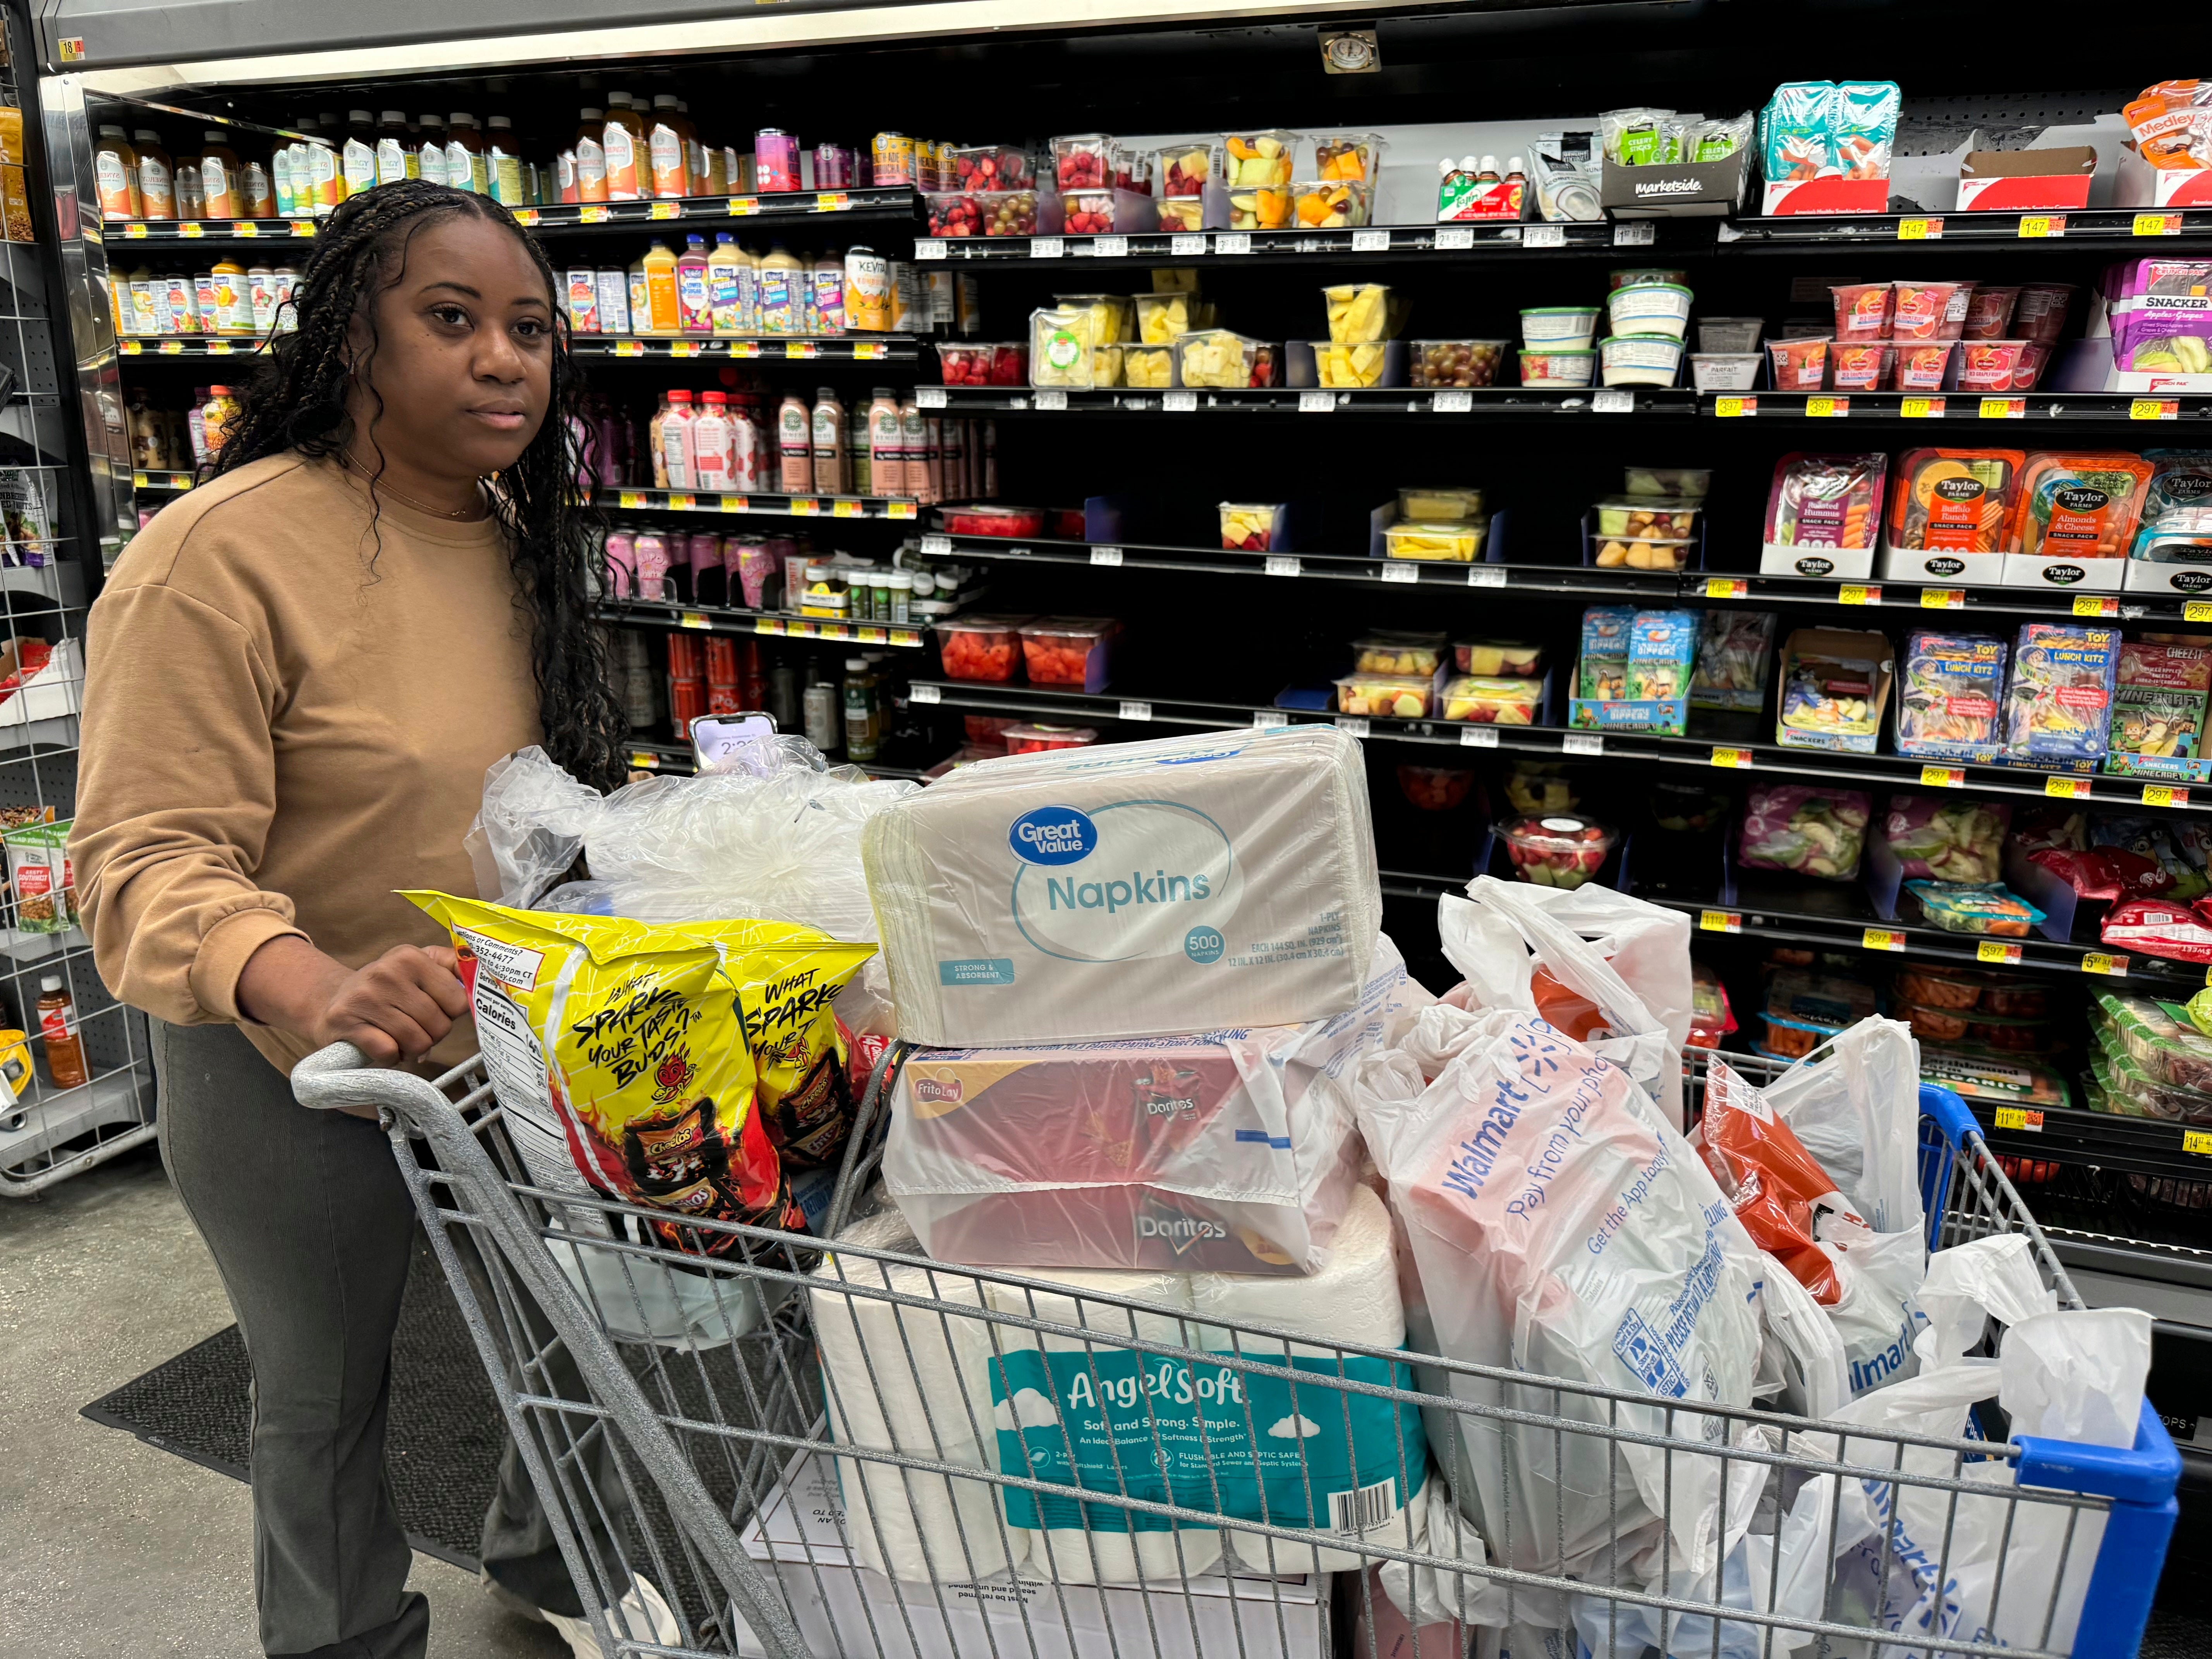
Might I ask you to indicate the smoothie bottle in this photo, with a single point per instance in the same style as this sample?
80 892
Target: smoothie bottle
666 141
830 477
504 165
694 308
115 167
782 303
222 191
397 156
629 174
357 153
887 444
677 454
794 440
663 315
157 190
465 166
430 150
724 267
713 444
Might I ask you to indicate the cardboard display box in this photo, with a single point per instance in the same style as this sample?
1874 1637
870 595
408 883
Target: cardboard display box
2023 180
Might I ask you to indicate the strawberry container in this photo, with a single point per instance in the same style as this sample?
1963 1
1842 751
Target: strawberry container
1095 212
1184 172
981 647
1023 738
971 363
954 213
1069 650
1558 849
992 519
1083 161
993 167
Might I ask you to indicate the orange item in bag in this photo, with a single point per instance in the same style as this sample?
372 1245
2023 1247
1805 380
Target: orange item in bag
2080 506
1960 501
1779 1189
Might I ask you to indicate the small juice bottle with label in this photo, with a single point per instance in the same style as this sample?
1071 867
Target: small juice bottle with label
503 165
713 444
830 477
157 190
628 166
641 299
677 449
794 444
115 165
260 193
829 295
887 444
326 182
667 144
430 150
466 168
614 301
234 299
57 1034
663 315
591 157
221 189
782 303
395 151
723 267
694 308
358 158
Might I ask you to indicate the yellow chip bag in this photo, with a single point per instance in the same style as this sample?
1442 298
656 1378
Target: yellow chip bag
670 1064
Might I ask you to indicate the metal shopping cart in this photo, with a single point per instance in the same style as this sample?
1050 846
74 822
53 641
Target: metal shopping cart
816 1452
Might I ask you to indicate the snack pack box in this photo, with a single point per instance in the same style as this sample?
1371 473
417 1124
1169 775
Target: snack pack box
2178 496
1836 686
2077 520
2158 317
1635 670
2158 712
1951 513
2058 704
1601 669
1823 515
1950 688
1663 646
1733 658
1825 149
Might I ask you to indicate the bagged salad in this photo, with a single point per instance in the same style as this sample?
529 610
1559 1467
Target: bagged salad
1946 839
1975 907
1806 829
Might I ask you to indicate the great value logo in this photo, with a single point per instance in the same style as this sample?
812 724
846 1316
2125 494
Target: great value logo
1053 834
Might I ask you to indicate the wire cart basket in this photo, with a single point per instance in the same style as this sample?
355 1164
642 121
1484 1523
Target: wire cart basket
818 1452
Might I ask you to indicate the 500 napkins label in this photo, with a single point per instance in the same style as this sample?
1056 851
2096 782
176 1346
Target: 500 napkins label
1130 891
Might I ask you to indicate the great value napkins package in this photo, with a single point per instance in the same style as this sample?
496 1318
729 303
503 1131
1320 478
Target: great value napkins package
1131 890
1228 1152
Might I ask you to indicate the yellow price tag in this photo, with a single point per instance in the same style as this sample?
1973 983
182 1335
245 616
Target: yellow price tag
1727 587
2035 225
2157 224
2096 604
1919 230
2067 788
868 351
1737 758
664 210
1942 598
2000 951
744 207
134 232
800 349
1921 409
1827 408
768 625
525 215
2154 408
1882 938
191 230
2102 962
1852 594
129 348
644 760
684 348
736 504
1728 408
218 347
303 228
246 228
632 500
693 619
832 201
902 509
173 348
805 506
835 631
140 480
2196 610
871 636
800 630
2164 795
2004 408
684 503
1942 777
905 636
629 348
2197 1141
745 349
1720 921
845 509
592 213
2019 1117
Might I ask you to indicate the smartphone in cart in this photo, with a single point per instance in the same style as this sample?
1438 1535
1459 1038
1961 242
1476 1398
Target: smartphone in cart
719 742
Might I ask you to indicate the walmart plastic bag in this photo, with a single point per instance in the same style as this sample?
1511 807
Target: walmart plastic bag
1605 968
1556 1226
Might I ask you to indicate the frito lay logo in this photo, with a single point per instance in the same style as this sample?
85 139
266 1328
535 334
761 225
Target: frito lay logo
931 1089
672 1077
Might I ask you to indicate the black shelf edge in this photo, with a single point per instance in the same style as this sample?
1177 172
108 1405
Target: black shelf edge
675 759
2150 408
2049 229
723 619
759 504
189 345
844 348
1230 247
1385 401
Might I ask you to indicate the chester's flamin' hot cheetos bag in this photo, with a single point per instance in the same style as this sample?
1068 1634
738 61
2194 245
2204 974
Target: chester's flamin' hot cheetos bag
680 1065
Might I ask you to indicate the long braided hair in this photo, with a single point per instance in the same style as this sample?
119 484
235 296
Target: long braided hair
296 401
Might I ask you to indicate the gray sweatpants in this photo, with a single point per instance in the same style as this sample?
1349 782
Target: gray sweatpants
311 1231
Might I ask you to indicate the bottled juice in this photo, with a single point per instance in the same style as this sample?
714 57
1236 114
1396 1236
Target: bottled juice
887 444
724 266
830 474
695 153
863 710
325 184
749 312
260 193
694 309
662 313
504 165
614 303
713 444
640 300
591 157
115 165
57 1034
466 164
396 156
932 459
629 167
261 290
782 307
430 151
914 439
181 298
829 295
191 199
794 443
146 317
234 299
357 159
678 447
216 415
668 143
856 455
652 564
222 189
157 190
712 170
653 443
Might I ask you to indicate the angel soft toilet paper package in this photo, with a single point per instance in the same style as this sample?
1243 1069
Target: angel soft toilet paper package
1130 889
1230 1151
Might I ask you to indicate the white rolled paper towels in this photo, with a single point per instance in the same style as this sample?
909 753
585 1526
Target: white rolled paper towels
1328 1459
910 1380
1054 1399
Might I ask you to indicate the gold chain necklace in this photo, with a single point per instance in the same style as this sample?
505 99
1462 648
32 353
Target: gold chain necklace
465 512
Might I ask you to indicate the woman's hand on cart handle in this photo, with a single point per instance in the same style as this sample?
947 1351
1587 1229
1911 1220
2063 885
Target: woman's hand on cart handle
396 1008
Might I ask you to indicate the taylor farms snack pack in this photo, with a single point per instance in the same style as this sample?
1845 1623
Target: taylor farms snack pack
1143 889
1823 515
1951 513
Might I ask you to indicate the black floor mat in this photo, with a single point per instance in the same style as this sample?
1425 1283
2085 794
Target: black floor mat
442 1443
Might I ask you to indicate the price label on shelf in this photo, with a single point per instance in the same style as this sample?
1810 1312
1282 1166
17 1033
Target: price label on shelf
1857 594
130 348
744 207
2103 961
806 507
2197 1141
2157 224
1317 403
1400 571
1612 400
1732 407
642 760
1371 241
172 349
1942 598
303 227
1352 725
871 635
905 636
866 351
666 211
832 201
2034 226
592 213
745 348
1179 403
1105 555
929 397
767 625
2018 1117
1735 758
1478 737
1720 921
2004 408
922 693
804 630
1825 408
2164 795
1451 402
1582 743
1185 245
140 480
1882 938
631 499
2002 952
1232 241
246 228
2096 604
801 349
1047 247
629 348
929 248
1136 711
692 619
218 347
937 547
2196 610
1543 236
1633 233
191 230
845 510
902 510
1265 720
1727 587
681 503
1454 239
1109 247
134 232
2154 408
1281 564
1921 409
1919 230
1485 576
1053 398
1942 777
2067 788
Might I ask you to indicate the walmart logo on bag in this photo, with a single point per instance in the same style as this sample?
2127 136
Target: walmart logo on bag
1131 879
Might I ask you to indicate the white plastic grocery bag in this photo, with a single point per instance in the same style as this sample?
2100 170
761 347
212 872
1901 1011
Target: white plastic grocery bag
1556 1226
1623 966
1855 1102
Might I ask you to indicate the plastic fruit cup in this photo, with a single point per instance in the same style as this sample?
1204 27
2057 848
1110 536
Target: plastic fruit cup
1798 365
1921 365
993 167
1348 155
1022 739
1394 696
1644 553
993 519
1493 658
1331 205
956 214
980 647
1068 650
1083 161
1857 367
1559 849
1010 363
1990 365
2033 357
1435 789
1923 311
1008 212
1258 158
1184 213
965 364
1185 171
1862 312
1988 313
1250 526
1087 212
1457 362
1267 208
1492 700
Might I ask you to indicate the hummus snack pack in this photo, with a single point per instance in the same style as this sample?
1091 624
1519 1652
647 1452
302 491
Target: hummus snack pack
676 1067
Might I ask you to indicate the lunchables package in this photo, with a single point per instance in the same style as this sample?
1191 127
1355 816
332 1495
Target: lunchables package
675 1067
2058 706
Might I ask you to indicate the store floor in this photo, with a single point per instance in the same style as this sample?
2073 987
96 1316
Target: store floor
115 1547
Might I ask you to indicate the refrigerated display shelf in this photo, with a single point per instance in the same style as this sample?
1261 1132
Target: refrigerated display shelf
722 619
763 505
2138 1145
827 348
1492 401
1246 246
1863 406
1717 751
